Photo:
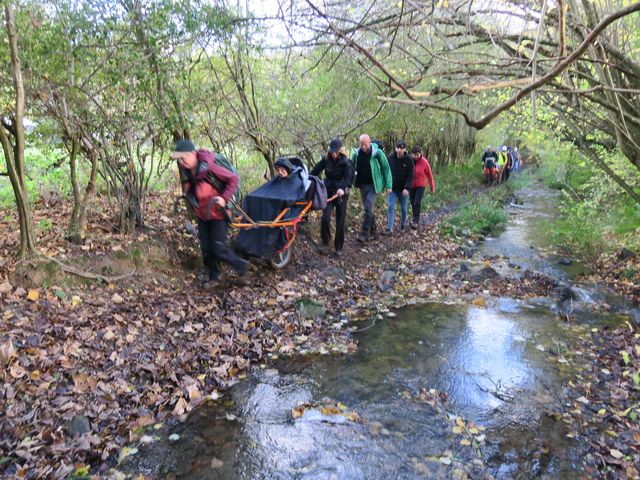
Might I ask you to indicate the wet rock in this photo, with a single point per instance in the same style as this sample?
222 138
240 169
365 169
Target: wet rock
308 308
564 292
190 228
468 251
429 269
624 254
564 261
540 279
466 232
78 425
487 273
386 280
464 267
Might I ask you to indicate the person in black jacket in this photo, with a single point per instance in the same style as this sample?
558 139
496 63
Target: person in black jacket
401 165
338 172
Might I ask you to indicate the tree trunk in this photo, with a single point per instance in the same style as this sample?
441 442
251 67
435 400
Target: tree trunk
77 230
14 150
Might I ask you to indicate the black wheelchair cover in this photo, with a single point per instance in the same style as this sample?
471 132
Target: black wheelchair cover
266 203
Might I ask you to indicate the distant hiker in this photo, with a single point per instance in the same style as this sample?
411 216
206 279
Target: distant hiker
338 173
489 163
401 166
509 165
372 176
421 173
208 202
502 160
516 160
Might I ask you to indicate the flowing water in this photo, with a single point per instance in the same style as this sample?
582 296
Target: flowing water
390 409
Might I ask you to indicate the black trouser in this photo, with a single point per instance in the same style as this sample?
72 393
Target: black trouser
368 197
415 196
340 205
507 172
213 243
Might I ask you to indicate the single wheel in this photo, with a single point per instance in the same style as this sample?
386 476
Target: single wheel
281 259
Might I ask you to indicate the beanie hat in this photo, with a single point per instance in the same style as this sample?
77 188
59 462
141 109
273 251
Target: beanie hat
183 146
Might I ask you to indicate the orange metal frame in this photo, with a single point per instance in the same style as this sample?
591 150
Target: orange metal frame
290 225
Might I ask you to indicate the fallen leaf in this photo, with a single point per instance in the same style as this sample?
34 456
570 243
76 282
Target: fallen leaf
181 406
479 302
194 393
7 352
5 287
33 294
617 454
127 452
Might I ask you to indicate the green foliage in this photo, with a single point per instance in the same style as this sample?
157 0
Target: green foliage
480 216
454 182
481 209
45 224
597 215
46 176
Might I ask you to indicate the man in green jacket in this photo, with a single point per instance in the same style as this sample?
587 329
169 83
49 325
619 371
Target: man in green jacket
373 176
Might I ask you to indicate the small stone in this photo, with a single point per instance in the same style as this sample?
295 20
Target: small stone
564 261
310 309
117 298
146 439
78 425
386 280
464 267
333 272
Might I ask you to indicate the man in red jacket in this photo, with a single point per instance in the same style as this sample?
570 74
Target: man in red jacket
208 203
421 173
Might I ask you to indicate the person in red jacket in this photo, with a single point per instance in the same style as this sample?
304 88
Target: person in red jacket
421 173
208 203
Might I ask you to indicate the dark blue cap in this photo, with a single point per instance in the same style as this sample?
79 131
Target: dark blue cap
335 145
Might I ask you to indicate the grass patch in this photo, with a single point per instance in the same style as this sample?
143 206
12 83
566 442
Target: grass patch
453 182
483 216
482 212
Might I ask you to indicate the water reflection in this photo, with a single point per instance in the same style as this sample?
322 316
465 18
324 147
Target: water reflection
486 363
